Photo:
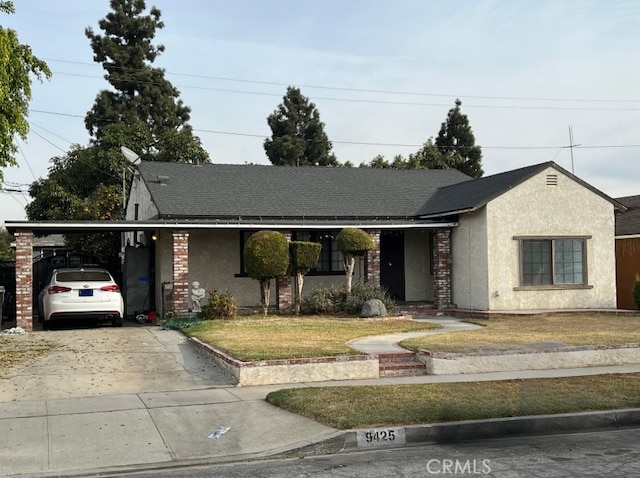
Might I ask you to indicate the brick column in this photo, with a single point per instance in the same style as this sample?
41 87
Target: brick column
24 280
180 273
372 260
284 292
442 268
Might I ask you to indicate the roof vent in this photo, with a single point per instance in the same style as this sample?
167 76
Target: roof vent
163 179
552 179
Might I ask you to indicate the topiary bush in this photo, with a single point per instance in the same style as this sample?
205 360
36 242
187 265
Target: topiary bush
220 306
304 257
353 242
362 292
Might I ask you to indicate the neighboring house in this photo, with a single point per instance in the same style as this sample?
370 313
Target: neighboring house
532 238
627 250
46 246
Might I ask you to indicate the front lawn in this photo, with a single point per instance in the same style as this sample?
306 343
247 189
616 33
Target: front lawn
271 338
396 405
509 333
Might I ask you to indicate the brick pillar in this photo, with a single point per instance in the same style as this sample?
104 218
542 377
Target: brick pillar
24 280
180 273
284 292
442 268
372 260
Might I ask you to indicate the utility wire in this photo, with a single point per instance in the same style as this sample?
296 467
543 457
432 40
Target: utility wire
361 90
363 143
384 102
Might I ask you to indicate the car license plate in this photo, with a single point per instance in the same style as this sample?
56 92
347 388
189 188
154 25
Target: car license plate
86 292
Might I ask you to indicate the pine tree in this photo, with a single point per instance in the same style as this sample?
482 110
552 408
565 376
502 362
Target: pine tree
142 94
458 145
298 137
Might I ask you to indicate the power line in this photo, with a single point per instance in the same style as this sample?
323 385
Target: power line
364 143
366 101
365 90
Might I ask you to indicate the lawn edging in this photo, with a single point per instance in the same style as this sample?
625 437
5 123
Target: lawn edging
499 427
301 370
442 363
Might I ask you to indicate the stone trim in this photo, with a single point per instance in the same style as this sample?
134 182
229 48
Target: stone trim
24 280
180 273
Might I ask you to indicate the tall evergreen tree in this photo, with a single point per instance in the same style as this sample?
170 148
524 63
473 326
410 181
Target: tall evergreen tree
458 145
141 92
298 137
17 64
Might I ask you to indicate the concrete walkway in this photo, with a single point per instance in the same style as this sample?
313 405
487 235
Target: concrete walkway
389 343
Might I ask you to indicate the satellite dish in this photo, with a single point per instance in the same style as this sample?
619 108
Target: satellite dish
131 156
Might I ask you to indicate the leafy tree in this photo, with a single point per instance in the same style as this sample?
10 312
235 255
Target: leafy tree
353 242
6 253
17 63
457 144
298 137
266 257
304 257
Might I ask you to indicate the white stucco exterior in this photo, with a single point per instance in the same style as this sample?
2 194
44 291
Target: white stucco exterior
418 278
485 249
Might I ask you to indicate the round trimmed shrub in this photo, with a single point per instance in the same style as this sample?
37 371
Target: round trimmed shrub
354 241
266 255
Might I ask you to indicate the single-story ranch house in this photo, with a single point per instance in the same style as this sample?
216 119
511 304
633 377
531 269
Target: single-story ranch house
627 250
532 238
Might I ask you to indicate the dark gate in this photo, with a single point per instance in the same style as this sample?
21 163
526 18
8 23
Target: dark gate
392 263
8 281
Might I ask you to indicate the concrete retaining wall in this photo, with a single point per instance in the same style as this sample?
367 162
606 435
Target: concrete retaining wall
566 357
267 372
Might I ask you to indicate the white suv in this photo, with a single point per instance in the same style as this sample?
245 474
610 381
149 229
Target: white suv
89 293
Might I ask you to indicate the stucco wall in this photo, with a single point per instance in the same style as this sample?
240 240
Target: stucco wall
418 279
139 194
469 282
214 261
535 209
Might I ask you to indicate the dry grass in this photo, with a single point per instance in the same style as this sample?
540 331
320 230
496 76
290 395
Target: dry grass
510 333
394 405
259 338
21 349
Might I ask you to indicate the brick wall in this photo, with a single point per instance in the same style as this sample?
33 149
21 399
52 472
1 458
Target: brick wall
284 291
442 268
180 273
372 262
24 280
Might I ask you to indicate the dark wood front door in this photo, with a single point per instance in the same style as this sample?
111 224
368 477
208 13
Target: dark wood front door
392 263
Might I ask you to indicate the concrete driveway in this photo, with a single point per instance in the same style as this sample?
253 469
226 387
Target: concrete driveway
93 361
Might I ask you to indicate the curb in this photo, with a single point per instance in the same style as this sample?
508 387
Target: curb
492 428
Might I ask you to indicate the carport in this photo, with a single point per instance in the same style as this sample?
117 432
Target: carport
24 232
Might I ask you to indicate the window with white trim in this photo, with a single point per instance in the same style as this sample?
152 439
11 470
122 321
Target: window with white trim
560 261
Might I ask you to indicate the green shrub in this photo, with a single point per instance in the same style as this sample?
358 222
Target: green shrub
354 241
360 293
332 299
220 306
323 300
636 291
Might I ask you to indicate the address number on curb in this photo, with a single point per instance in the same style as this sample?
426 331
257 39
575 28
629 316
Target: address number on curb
378 437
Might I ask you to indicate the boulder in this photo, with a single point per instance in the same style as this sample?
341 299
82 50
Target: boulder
373 308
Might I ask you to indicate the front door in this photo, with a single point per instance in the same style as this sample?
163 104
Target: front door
392 263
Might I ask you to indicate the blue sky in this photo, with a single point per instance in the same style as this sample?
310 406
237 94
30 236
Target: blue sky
524 70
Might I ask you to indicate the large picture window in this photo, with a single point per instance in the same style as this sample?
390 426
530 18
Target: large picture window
553 261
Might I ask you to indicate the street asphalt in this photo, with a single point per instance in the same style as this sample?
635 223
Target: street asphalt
156 429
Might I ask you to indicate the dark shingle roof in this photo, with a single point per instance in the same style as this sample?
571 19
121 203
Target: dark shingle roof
628 222
231 190
472 195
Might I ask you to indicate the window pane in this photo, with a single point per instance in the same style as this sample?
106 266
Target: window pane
536 262
569 261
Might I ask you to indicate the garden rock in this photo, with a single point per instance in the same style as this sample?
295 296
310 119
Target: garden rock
373 308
